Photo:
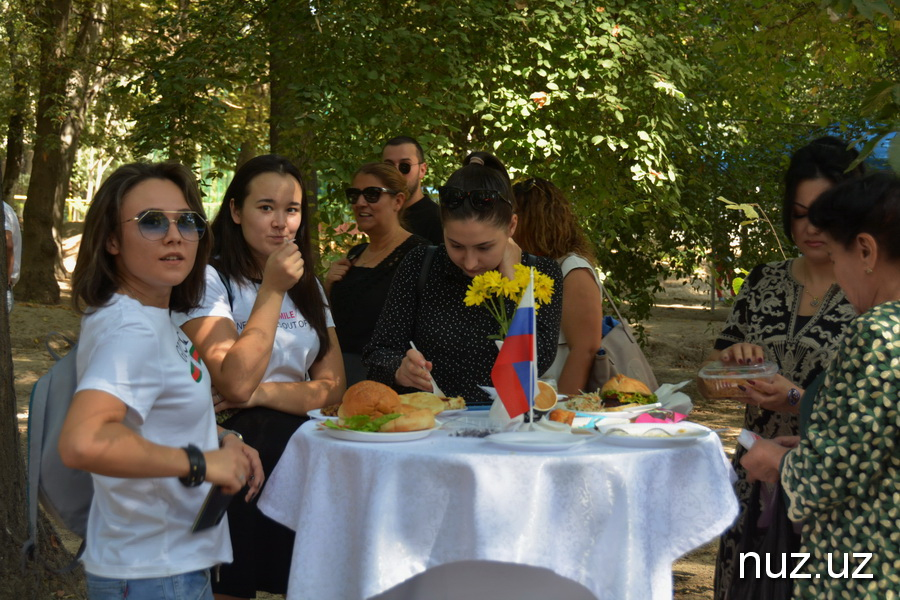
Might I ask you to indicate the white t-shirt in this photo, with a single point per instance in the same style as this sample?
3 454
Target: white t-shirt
568 263
296 343
12 225
141 528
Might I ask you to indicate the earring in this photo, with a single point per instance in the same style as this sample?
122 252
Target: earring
868 270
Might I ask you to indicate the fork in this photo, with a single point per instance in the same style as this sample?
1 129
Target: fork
434 386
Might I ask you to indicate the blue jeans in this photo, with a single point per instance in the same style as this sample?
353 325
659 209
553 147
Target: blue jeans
188 586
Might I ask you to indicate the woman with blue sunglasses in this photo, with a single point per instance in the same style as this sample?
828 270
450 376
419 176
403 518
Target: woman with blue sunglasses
141 420
358 284
266 334
426 305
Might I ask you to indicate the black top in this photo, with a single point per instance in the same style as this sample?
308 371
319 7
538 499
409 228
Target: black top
358 298
424 219
453 336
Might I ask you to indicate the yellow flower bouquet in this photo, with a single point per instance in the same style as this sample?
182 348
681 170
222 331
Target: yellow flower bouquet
491 288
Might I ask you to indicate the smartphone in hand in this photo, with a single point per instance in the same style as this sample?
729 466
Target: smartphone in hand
214 507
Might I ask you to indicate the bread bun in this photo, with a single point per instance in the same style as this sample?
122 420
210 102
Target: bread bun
625 390
563 416
455 403
369 398
424 400
546 397
625 384
414 420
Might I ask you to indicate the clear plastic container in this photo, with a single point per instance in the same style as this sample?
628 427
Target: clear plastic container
722 380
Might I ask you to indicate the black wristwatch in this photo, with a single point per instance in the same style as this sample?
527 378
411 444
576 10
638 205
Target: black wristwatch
793 396
197 474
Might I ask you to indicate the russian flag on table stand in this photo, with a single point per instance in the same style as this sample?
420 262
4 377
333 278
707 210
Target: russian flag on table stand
515 372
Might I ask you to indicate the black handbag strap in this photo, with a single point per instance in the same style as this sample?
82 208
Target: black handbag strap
426 267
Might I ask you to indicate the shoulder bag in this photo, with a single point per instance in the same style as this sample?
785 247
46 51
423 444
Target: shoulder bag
620 353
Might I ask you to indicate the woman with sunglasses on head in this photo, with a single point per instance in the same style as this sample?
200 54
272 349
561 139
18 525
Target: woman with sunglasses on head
141 420
547 227
426 305
358 284
265 333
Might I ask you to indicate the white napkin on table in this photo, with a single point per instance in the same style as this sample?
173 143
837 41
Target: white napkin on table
669 397
498 411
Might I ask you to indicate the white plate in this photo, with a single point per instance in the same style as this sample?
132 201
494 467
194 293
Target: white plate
536 441
376 436
455 411
636 434
317 414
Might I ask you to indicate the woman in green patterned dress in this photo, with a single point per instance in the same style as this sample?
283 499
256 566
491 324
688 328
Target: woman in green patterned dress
841 476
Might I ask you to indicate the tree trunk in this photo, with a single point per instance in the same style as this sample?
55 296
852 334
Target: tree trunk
67 87
15 133
290 42
35 581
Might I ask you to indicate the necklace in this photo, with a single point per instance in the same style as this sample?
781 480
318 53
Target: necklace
373 257
816 300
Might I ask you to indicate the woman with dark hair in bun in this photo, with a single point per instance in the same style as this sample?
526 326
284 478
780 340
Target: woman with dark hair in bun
426 302
840 476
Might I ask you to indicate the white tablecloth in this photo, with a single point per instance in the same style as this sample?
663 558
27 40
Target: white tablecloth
371 515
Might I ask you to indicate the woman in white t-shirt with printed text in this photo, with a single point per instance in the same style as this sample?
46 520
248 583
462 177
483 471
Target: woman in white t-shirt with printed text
266 334
141 420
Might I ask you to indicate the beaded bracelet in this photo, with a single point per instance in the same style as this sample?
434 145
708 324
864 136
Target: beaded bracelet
197 473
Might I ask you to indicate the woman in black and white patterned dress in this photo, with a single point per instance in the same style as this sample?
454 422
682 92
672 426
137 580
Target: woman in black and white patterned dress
790 312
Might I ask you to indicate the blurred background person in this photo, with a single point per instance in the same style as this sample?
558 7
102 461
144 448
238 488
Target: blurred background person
358 284
13 251
420 213
548 227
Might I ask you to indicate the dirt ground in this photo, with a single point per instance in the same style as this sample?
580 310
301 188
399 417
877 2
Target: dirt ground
680 334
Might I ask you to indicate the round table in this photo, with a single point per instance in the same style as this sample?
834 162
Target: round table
369 516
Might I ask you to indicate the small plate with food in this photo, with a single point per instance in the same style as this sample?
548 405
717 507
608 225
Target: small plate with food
439 405
652 435
373 412
619 394
351 435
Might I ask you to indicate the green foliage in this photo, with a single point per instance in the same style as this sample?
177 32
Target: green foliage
642 111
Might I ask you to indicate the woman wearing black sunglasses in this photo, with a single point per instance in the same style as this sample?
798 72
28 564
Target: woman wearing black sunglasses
358 284
266 335
479 220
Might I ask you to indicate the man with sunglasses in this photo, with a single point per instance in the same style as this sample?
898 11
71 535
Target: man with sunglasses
421 214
